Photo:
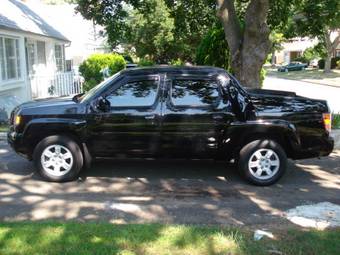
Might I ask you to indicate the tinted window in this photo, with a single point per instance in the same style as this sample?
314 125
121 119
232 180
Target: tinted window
136 93
194 92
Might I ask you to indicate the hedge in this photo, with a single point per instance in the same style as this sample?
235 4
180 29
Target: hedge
91 69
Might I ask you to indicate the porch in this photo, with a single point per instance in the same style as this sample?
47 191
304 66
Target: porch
55 85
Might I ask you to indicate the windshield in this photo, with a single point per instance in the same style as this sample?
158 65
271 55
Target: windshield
97 88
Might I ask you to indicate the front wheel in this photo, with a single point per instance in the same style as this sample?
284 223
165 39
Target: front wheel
58 158
262 162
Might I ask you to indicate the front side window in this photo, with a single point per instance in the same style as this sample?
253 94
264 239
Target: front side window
135 93
9 59
194 92
59 57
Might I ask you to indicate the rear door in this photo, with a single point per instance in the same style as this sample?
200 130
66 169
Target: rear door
194 116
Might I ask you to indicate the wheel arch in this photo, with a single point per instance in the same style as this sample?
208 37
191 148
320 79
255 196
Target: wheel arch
39 129
279 131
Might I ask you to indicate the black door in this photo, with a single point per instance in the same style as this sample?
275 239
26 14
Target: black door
132 126
194 116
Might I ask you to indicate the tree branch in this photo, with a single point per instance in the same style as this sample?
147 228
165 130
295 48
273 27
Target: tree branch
227 14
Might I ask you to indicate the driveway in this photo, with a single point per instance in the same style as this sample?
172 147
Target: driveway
307 89
167 191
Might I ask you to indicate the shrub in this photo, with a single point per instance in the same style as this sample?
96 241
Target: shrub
145 62
301 59
338 64
91 68
177 62
321 63
336 121
262 76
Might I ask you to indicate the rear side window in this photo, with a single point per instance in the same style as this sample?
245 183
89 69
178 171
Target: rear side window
194 92
135 93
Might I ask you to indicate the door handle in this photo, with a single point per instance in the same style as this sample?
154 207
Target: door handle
217 117
150 117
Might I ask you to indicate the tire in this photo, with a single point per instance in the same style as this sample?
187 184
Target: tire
262 162
58 158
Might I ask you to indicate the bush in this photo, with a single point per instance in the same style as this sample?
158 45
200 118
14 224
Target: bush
177 62
301 59
91 68
336 121
262 76
321 63
145 62
338 64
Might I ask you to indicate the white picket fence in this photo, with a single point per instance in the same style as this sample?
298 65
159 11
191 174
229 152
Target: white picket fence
59 84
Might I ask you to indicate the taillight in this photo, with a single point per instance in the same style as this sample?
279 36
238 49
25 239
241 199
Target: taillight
327 121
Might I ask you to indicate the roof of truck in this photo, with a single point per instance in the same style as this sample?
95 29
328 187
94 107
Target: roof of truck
207 70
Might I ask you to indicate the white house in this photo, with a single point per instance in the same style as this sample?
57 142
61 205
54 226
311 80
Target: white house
32 56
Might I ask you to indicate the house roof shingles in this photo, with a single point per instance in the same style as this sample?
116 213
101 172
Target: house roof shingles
18 16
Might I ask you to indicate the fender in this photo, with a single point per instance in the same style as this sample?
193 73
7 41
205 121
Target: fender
239 133
37 129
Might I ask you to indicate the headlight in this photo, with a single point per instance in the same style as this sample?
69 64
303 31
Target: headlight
17 120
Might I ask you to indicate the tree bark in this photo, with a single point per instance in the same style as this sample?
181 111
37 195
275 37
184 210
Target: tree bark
250 47
330 48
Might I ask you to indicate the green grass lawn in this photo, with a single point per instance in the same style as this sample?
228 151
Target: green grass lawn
311 75
3 128
101 238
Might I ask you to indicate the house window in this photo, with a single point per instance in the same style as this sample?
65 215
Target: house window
59 57
9 59
41 53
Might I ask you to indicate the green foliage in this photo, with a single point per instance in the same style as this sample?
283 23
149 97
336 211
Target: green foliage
161 30
177 62
146 62
336 121
338 64
321 63
151 31
91 68
311 53
263 74
213 50
301 59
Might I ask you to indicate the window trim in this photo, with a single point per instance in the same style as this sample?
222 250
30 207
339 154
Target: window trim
193 78
128 79
18 62
62 46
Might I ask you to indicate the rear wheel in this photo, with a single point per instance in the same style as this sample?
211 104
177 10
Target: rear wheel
58 158
262 162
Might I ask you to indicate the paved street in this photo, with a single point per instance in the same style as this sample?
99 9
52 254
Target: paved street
176 191
307 89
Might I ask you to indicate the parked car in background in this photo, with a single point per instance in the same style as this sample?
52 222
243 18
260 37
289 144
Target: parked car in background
181 112
293 66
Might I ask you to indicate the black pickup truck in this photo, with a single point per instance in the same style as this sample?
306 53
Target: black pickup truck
186 112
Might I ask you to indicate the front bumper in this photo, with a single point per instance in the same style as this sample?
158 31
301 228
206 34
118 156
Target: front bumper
15 140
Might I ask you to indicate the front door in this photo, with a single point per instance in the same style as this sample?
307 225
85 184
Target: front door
132 126
194 116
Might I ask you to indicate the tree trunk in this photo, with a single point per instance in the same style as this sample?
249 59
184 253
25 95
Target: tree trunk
273 60
250 48
328 63
330 47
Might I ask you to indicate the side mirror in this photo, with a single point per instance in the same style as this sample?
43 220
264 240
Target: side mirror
103 105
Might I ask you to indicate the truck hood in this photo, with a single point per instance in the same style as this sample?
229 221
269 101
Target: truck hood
274 101
61 105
